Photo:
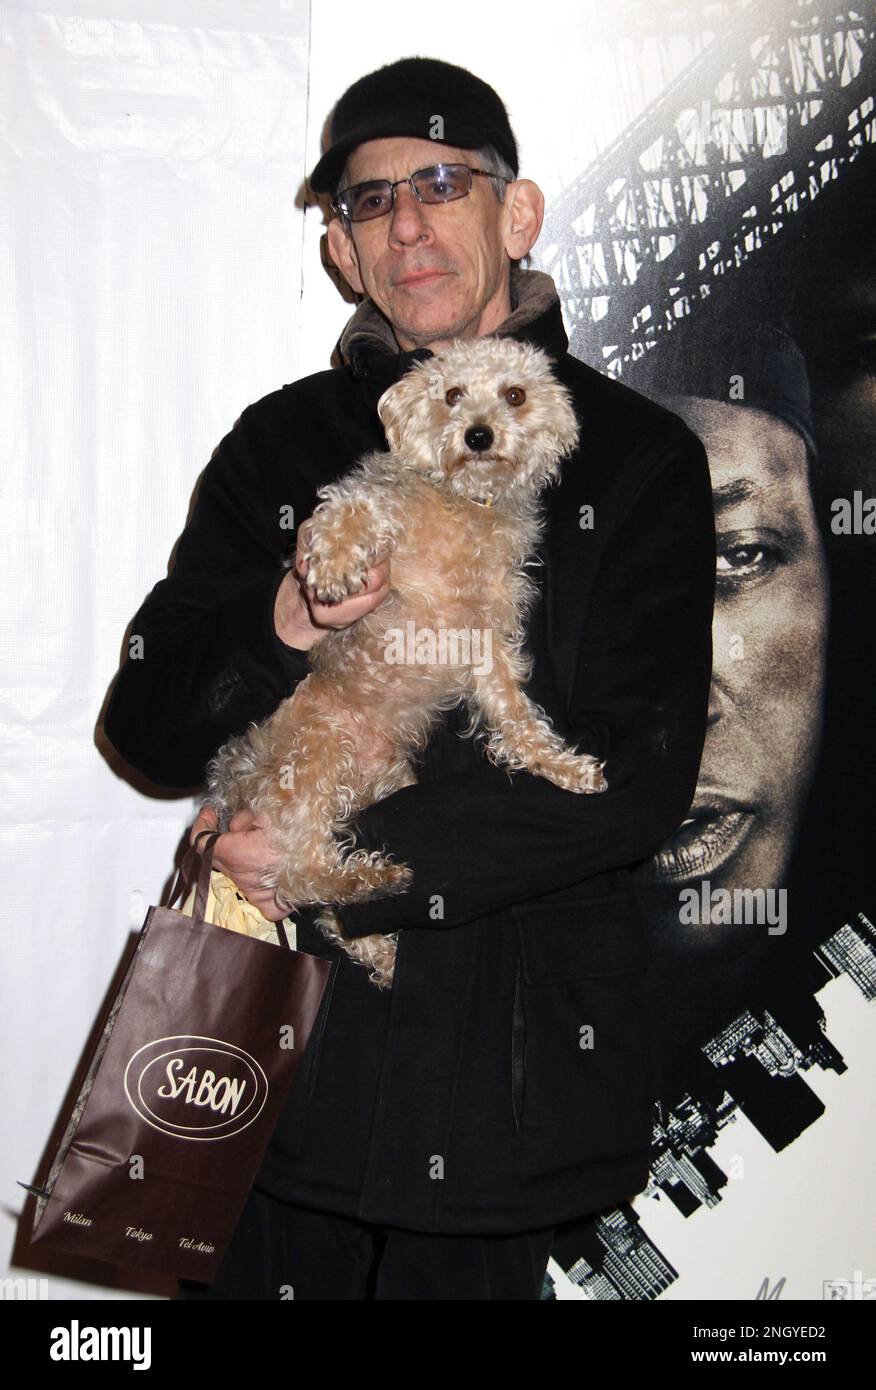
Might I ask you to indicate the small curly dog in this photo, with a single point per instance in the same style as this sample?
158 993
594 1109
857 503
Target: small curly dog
475 432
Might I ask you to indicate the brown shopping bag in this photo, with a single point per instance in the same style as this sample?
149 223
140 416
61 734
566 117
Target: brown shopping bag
198 1051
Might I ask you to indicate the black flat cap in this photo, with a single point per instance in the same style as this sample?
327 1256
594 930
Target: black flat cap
706 357
405 98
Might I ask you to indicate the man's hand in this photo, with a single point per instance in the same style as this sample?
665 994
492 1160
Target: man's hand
242 853
301 620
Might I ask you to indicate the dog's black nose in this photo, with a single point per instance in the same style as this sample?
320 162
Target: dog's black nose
478 438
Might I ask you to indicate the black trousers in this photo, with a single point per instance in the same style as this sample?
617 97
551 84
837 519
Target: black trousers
284 1251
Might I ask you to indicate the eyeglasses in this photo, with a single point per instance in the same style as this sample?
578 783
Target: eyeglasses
441 183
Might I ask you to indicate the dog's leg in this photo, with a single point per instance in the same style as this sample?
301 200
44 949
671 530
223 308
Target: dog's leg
358 771
310 866
298 773
349 533
360 877
329 879
377 953
520 735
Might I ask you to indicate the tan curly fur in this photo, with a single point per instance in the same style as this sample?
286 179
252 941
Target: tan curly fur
459 514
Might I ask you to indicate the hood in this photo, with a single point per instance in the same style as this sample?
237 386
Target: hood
369 349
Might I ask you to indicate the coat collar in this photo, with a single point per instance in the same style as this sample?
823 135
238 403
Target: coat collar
369 349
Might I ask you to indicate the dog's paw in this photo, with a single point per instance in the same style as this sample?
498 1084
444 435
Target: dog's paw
377 953
572 772
392 878
364 875
334 578
591 778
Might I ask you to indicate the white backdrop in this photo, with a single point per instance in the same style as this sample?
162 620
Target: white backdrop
158 274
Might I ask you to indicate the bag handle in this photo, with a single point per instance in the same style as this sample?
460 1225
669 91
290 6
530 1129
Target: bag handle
186 875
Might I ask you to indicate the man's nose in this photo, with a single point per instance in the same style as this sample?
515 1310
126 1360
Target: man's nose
731 687
407 222
478 438
714 713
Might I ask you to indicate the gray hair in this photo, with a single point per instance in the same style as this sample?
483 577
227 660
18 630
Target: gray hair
486 158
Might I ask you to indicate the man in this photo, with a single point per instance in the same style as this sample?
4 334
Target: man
437 1132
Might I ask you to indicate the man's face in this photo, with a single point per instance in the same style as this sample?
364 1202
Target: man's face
437 271
768 638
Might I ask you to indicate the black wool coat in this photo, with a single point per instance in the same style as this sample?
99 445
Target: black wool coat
506 1081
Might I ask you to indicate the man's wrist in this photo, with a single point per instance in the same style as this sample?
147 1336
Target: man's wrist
295 634
302 649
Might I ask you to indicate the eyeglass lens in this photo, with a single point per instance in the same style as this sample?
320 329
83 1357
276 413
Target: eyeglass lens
439 184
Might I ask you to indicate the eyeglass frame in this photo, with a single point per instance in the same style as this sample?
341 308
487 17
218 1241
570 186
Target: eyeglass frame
394 184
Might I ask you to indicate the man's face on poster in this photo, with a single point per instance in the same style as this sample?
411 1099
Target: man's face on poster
769 637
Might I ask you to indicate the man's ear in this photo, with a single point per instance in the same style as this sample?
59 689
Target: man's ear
524 214
342 250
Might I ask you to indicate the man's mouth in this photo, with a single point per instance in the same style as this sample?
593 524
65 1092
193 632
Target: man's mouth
421 277
713 832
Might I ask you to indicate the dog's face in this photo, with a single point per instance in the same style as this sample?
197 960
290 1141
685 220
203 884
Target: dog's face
485 418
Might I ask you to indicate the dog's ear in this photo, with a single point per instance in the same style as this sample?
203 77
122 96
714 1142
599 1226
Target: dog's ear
563 432
567 427
403 410
390 410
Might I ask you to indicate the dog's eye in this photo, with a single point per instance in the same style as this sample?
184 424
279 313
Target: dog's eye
515 395
454 395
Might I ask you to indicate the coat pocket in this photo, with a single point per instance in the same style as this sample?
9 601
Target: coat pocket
582 1068
518 1061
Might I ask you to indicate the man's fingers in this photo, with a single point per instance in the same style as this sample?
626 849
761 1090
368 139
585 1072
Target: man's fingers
239 873
241 853
338 616
267 906
349 609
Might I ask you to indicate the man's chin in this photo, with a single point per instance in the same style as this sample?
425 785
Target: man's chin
426 323
424 330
